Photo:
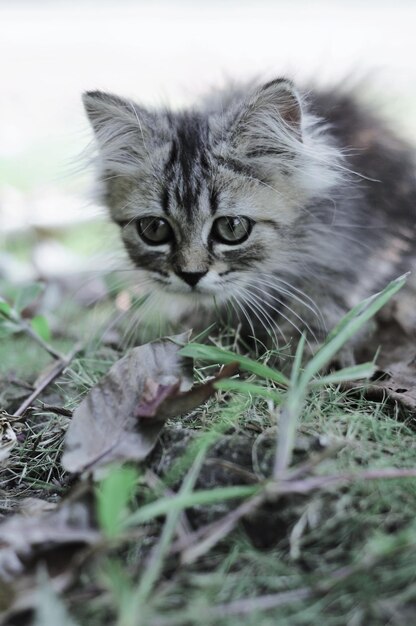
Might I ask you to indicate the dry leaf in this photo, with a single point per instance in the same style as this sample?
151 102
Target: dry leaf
8 439
121 417
152 397
32 507
104 428
395 343
59 539
54 539
397 381
169 401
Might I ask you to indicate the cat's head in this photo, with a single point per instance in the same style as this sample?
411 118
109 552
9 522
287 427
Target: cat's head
207 199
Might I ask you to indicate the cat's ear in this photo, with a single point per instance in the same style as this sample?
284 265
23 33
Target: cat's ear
270 121
124 131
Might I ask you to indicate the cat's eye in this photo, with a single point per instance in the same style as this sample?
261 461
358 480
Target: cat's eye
232 230
154 230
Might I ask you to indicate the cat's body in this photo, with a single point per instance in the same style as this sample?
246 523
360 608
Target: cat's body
281 207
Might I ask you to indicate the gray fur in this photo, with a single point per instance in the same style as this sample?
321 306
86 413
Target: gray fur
329 189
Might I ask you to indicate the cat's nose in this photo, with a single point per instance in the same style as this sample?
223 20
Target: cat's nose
192 278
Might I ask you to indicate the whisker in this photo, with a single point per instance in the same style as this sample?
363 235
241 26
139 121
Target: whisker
284 304
288 319
139 312
301 293
255 306
281 314
247 317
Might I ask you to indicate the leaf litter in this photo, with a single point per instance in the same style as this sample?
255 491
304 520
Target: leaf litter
394 343
54 539
8 438
121 417
125 407
119 420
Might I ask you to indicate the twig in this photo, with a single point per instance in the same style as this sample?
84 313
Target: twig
305 468
306 485
59 410
6 417
242 607
26 328
43 344
233 467
57 369
13 380
202 540
270 601
261 603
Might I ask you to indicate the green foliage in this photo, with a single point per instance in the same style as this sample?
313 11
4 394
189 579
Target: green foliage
26 295
301 380
250 389
5 307
162 506
113 496
345 330
350 324
11 320
7 325
218 355
121 588
351 548
40 325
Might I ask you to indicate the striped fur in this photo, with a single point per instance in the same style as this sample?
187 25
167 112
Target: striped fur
328 189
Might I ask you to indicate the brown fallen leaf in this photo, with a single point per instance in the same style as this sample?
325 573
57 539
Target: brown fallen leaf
169 401
104 427
8 438
32 507
153 395
394 342
122 416
54 539
396 381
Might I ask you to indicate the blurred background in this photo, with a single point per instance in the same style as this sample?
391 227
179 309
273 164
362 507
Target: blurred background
158 52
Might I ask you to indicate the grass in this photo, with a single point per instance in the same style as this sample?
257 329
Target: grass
343 553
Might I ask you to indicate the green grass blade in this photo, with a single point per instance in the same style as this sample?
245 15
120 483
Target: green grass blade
350 325
217 355
154 568
297 363
288 423
113 496
359 308
355 372
5 308
249 389
183 501
41 327
347 327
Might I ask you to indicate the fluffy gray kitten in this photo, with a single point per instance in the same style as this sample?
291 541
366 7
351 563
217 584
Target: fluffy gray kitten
281 206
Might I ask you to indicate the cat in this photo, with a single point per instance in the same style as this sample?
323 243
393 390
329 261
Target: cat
280 205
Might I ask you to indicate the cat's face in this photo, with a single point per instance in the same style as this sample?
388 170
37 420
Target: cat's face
205 201
205 233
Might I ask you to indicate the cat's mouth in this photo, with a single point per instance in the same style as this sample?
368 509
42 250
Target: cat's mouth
207 296
191 291
192 284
